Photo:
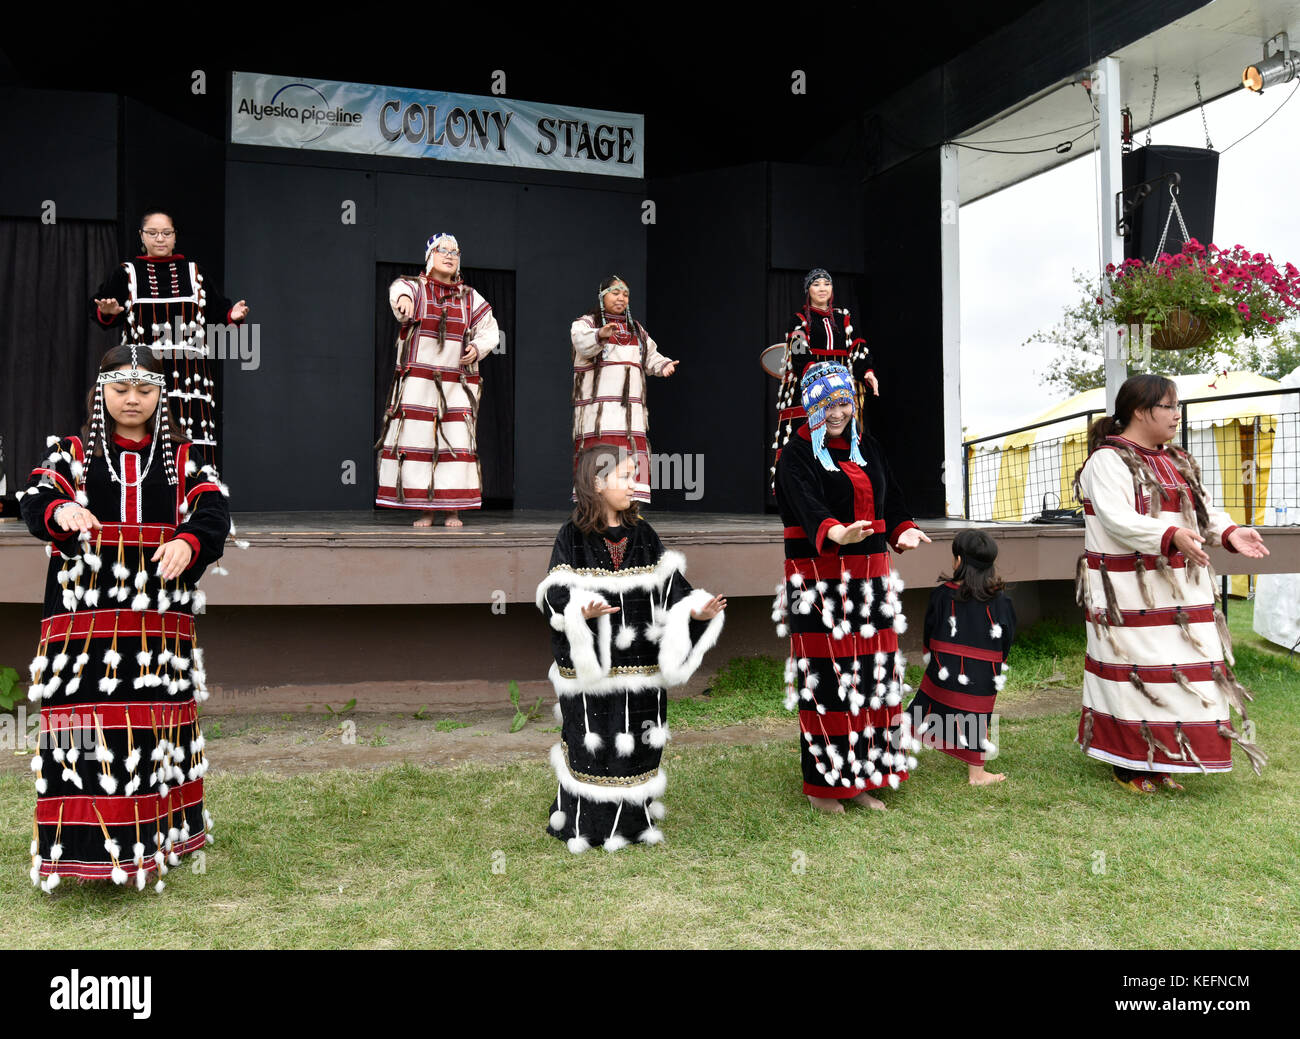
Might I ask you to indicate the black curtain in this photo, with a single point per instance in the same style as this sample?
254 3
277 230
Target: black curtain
785 297
496 417
48 275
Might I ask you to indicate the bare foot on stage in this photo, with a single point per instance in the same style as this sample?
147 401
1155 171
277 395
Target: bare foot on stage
453 520
978 777
866 799
829 805
425 519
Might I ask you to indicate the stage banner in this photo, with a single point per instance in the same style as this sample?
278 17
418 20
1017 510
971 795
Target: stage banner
284 112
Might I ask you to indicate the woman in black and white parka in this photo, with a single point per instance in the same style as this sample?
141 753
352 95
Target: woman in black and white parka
626 626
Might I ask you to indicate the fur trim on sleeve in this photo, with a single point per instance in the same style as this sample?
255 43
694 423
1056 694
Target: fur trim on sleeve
678 658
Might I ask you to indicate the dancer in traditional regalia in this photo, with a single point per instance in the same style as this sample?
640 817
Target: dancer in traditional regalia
969 627
133 523
626 626
612 355
841 600
164 301
428 450
1158 682
819 333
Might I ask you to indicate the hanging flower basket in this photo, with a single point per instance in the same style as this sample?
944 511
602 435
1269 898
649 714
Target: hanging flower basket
1202 295
1181 330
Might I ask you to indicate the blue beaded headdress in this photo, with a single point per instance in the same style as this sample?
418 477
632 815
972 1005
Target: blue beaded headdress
824 384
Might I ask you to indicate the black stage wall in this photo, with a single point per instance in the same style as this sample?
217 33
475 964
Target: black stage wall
309 278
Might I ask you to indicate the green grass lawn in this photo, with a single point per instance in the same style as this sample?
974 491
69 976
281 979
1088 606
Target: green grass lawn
1059 856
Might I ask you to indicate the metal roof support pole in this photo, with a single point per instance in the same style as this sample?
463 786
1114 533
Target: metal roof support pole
950 290
1106 88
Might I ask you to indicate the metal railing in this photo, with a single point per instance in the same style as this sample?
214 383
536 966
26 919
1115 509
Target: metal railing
1256 462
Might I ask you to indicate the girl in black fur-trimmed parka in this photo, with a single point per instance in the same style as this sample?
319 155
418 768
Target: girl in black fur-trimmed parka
626 625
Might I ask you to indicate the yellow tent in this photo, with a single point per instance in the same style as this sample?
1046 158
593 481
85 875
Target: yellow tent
1012 478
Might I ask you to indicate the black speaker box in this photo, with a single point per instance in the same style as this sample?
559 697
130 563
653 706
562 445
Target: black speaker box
1199 170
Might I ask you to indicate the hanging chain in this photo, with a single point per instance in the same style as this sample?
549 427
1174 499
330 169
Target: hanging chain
1201 103
1173 209
1151 117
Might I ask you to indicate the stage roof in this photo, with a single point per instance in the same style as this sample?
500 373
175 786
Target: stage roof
1215 42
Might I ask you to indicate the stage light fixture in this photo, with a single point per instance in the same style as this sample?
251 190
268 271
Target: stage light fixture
1279 67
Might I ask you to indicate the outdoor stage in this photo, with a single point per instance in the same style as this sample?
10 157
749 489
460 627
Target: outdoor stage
325 607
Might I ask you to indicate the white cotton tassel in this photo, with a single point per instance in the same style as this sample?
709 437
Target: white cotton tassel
963 678
894 780
112 658
592 742
943 673
999 681
624 744
995 632
625 637
200 601
141 879
164 601
558 819
952 624
92 597
557 619
657 810
988 748
140 602
159 887
578 845
900 623
658 734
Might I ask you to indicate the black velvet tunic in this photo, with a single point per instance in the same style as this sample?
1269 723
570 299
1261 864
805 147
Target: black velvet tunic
170 300
118 673
842 608
966 644
611 676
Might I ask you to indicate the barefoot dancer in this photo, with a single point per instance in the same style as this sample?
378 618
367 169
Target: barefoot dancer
842 512
969 627
429 447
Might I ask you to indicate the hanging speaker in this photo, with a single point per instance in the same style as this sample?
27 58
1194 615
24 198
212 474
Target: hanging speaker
1198 169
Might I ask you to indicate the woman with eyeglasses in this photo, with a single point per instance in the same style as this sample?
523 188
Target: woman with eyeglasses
1158 685
162 300
428 450
132 523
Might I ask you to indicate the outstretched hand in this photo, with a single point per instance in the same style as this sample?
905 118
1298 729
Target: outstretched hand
173 559
596 608
874 383
710 609
1189 543
109 307
669 368
911 538
851 534
1248 542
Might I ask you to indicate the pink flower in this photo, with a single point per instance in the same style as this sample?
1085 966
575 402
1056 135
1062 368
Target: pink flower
1244 309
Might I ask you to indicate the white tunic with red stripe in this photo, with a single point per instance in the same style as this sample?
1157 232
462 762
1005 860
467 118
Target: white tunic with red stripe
431 436
602 370
1118 528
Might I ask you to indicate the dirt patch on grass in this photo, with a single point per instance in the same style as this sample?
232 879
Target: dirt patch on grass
296 743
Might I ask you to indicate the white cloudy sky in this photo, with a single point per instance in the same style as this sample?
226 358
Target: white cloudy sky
1018 247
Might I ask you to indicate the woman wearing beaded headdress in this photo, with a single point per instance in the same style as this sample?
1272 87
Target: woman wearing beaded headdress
626 625
133 523
428 450
819 333
164 301
612 355
1158 685
840 600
